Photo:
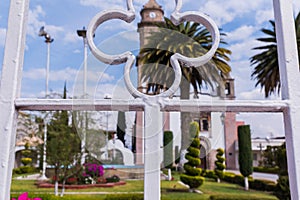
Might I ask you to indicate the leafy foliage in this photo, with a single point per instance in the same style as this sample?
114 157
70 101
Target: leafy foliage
189 39
266 66
63 146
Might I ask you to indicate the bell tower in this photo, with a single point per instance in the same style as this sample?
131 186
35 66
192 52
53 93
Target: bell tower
151 14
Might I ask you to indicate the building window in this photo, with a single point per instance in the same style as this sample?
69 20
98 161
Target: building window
227 88
254 156
205 125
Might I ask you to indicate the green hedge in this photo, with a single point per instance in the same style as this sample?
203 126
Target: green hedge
24 170
270 170
262 185
209 174
124 197
237 197
256 184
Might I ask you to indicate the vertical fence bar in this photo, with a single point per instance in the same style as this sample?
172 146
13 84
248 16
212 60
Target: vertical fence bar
152 138
290 81
10 89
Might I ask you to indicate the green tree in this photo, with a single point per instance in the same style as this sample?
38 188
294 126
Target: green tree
220 166
245 153
192 177
266 66
168 149
121 126
189 39
63 146
282 188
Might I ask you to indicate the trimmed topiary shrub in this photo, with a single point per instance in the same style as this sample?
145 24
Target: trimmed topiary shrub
168 149
192 174
220 166
245 153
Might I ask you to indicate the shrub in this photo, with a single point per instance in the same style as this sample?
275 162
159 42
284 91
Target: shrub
113 179
245 150
192 174
262 185
26 161
209 174
282 190
220 166
124 197
233 178
26 169
271 170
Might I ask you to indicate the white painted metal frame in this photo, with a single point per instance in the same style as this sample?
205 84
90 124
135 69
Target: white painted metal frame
290 82
11 80
10 89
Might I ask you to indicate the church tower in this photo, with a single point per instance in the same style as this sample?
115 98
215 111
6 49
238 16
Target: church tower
151 14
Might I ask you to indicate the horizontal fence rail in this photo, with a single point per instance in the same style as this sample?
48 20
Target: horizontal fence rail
139 105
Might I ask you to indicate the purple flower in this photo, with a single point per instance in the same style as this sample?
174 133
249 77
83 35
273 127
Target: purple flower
24 196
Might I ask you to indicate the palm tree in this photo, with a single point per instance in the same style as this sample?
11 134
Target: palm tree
266 67
191 40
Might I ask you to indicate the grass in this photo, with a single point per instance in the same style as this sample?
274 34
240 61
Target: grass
170 190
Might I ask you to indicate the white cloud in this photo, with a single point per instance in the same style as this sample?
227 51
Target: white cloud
241 33
243 49
227 11
2 36
71 37
67 74
34 24
264 15
116 4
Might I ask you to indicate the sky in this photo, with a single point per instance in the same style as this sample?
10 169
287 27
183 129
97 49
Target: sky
240 20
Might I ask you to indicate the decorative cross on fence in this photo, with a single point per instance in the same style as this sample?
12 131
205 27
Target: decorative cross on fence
10 103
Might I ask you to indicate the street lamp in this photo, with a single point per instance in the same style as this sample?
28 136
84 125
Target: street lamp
48 41
223 118
82 33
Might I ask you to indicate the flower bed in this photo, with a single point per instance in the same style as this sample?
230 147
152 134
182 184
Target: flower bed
49 185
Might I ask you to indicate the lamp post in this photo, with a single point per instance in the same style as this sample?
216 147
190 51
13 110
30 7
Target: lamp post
82 33
48 41
223 117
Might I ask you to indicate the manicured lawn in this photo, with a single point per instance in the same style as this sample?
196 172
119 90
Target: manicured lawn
170 190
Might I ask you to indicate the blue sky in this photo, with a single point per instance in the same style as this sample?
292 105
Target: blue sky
240 20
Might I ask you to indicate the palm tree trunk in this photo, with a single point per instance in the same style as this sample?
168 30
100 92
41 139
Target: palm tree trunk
186 117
